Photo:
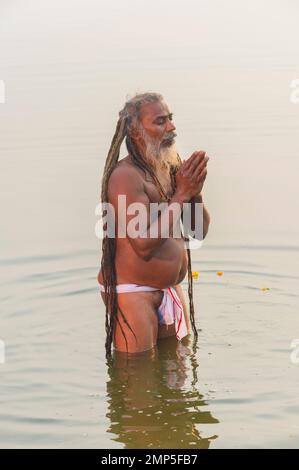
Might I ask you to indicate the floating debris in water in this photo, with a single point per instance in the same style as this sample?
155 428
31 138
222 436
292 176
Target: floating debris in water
219 273
265 289
195 274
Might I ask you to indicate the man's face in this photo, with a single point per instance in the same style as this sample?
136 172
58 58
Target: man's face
156 120
156 134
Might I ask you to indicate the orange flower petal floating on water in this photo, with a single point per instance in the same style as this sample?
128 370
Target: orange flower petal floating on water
195 274
219 273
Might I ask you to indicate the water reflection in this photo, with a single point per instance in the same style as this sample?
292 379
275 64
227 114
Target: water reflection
153 400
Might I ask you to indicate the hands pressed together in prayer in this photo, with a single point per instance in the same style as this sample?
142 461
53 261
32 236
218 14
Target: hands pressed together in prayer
191 175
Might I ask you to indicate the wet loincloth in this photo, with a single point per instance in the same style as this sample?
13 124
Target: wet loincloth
169 311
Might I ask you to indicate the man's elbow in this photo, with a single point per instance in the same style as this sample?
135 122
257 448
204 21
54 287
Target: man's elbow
206 228
201 234
205 234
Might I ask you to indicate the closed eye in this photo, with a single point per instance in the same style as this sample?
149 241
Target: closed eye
161 120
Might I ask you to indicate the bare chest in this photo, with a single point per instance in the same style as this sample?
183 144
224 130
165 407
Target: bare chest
153 192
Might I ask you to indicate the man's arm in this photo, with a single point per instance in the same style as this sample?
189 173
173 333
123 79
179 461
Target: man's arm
199 161
206 216
193 216
127 182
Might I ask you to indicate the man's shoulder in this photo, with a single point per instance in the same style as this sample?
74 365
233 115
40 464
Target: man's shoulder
125 174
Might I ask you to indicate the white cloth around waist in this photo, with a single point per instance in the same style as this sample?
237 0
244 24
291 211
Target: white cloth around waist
169 311
122 288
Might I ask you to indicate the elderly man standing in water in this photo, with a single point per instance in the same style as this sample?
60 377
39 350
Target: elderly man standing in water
140 276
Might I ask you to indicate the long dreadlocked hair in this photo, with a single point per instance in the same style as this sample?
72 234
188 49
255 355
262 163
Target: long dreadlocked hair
128 123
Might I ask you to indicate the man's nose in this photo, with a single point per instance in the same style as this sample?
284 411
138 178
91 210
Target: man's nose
170 126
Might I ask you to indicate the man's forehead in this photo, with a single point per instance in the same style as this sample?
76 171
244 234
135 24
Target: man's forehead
153 110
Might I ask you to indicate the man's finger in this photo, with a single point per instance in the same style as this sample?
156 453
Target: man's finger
202 176
188 162
197 162
198 154
200 167
196 167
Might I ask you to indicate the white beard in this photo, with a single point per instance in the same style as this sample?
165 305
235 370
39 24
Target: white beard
169 156
160 157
